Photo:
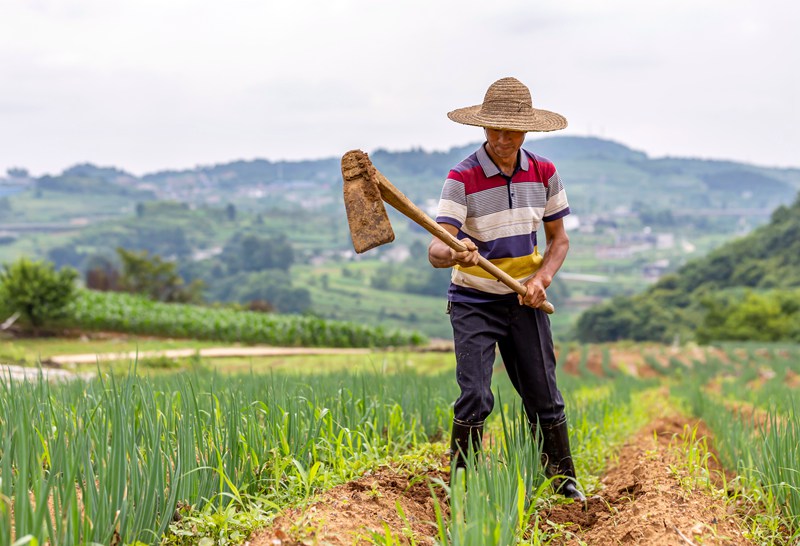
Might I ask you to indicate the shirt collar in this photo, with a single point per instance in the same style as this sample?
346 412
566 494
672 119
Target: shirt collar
488 166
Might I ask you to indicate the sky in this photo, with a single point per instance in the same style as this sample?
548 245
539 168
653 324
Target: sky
146 85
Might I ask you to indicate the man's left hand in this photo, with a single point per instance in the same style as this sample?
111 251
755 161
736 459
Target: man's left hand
535 295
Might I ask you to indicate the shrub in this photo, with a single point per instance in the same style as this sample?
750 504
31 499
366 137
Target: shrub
35 290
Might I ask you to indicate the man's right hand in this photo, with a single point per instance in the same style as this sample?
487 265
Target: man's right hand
468 257
441 255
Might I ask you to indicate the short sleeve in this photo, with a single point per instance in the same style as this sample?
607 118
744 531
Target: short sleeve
557 205
453 202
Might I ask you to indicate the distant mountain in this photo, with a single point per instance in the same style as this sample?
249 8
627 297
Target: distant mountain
240 173
599 173
417 162
571 148
108 174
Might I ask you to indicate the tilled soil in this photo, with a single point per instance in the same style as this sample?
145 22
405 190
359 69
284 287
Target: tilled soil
349 513
644 502
646 499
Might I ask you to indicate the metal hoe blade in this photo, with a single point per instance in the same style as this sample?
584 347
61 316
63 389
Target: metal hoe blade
366 215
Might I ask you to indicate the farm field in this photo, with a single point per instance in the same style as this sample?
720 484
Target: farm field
346 293
691 445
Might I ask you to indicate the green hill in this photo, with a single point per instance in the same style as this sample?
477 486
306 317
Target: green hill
748 288
635 218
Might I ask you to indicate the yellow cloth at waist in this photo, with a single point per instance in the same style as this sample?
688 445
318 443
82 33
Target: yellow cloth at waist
519 268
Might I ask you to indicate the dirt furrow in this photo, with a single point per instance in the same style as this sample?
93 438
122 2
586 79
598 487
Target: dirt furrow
349 513
650 497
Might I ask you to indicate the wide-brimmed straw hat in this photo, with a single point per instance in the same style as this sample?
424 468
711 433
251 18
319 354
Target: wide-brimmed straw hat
508 105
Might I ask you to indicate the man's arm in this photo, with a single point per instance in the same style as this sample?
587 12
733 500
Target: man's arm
440 255
554 256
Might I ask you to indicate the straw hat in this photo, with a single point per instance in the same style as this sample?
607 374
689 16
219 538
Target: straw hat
508 105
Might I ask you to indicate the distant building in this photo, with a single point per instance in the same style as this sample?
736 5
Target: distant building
629 244
572 222
613 252
665 241
396 254
655 270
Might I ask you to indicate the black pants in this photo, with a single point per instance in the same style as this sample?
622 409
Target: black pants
526 346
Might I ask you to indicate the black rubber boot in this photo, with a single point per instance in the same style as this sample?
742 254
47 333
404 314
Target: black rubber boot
557 459
463 434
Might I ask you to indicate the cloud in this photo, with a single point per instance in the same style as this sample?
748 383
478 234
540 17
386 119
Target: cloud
152 84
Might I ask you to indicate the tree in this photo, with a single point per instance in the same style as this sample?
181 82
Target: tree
38 292
253 253
67 255
688 304
155 278
17 172
273 287
101 274
767 316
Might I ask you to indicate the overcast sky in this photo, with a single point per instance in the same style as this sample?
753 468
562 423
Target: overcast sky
154 84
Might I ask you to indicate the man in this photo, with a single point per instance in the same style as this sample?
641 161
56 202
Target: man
494 202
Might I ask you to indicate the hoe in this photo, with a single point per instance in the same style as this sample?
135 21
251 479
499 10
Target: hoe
365 189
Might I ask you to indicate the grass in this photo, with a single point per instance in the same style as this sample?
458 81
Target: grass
425 363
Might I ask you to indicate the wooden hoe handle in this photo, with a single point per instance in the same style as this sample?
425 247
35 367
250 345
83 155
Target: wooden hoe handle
395 197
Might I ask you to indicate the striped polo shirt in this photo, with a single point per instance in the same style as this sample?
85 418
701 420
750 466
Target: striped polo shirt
500 214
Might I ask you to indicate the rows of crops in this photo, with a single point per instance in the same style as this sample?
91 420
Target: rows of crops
747 395
137 315
111 461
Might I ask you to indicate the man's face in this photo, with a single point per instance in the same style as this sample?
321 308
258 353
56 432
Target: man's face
504 144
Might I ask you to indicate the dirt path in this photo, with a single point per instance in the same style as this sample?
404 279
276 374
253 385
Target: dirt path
643 502
26 373
210 352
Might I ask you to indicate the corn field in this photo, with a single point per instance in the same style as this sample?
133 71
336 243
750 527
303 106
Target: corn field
120 312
